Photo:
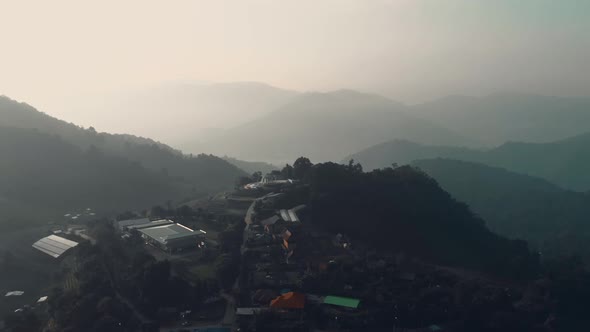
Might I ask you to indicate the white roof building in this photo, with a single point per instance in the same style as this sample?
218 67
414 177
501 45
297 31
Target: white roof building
54 245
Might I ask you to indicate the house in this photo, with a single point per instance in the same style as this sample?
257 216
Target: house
290 300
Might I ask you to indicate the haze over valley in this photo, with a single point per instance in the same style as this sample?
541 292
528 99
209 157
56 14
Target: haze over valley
294 166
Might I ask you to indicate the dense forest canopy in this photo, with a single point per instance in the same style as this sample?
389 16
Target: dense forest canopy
205 172
46 173
552 219
403 209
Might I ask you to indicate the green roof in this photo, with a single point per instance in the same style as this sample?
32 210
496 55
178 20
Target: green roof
342 301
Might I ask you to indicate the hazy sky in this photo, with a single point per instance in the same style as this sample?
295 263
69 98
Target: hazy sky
56 51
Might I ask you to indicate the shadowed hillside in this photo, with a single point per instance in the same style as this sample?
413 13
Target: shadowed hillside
403 209
518 206
205 172
41 173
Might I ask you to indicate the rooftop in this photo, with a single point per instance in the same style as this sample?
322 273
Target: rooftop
168 232
54 245
151 224
130 222
342 301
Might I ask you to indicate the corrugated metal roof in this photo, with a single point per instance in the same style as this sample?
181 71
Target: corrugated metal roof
285 215
247 311
151 224
54 245
126 223
293 215
342 301
165 233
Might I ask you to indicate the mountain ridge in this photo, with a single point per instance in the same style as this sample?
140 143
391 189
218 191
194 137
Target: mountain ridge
562 162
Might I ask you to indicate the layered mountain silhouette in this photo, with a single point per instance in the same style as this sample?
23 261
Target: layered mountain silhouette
502 117
326 126
564 162
180 113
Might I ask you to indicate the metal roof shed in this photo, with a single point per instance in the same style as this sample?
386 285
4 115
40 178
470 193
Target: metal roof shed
54 245
342 301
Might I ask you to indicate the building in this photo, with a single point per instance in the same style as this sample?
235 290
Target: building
123 225
292 215
54 245
290 300
149 224
342 301
172 237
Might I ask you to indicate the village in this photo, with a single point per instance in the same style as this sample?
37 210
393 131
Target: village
267 267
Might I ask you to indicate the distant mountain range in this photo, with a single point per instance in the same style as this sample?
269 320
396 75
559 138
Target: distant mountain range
325 126
552 219
237 119
179 113
499 118
565 162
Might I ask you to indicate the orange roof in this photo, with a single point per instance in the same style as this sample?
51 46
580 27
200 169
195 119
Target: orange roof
289 300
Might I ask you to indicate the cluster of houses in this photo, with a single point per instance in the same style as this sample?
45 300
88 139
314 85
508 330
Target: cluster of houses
277 257
295 277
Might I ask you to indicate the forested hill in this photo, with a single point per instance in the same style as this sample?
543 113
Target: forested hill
518 206
565 162
41 173
205 172
403 209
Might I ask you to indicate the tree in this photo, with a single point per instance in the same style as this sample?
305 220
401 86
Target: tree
354 168
226 270
257 176
185 211
242 181
288 171
301 168
157 211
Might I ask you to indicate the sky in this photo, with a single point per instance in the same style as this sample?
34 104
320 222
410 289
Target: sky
59 52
